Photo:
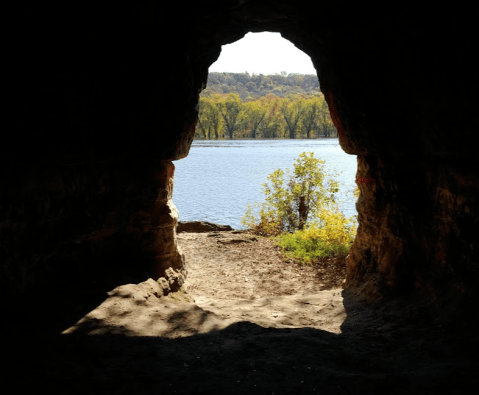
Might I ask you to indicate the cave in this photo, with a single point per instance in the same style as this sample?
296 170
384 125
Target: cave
106 98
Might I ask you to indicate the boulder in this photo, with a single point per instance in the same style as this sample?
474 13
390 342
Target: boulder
201 227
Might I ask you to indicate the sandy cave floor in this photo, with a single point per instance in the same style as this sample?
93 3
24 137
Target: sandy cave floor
256 283
233 276
250 321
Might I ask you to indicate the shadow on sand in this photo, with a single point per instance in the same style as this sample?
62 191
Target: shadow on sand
369 356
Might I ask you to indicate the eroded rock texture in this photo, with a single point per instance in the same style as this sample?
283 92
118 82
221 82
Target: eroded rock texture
418 229
83 223
107 98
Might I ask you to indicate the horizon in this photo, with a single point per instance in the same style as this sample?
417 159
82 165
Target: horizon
254 73
264 53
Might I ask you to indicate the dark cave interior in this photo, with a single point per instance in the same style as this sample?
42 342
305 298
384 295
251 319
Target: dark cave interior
107 97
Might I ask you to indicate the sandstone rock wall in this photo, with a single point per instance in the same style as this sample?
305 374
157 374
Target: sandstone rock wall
418 229
81 224
85 180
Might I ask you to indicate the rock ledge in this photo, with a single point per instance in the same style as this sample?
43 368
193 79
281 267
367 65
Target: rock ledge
201 227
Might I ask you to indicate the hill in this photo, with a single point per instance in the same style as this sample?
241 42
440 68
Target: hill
254 86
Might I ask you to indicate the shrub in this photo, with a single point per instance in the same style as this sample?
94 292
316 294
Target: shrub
300 208
293 198
331 234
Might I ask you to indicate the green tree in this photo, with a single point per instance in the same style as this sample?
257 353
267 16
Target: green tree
209 117
255 114
255 85
231 109
201 125
325 123
292 110
309 117
293 198
273 124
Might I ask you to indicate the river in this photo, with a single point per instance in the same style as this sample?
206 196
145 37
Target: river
218 179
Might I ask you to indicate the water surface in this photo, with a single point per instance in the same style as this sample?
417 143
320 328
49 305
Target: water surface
218 179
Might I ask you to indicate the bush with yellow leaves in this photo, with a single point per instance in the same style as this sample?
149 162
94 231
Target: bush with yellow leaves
331 234
300 209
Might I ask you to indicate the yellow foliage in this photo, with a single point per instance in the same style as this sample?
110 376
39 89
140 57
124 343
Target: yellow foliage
302 211
331 227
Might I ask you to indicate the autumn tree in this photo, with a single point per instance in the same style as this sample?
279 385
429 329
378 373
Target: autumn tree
309 117
270 116
294 197
325 123
273 124
242 83
209 117
201 125
292 110
255 114
231 108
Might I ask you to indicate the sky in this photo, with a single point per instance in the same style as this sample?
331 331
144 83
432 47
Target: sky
262 53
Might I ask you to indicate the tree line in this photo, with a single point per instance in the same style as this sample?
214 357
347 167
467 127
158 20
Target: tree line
269 116
250 87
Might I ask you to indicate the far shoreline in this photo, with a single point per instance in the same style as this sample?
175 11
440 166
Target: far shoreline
267 138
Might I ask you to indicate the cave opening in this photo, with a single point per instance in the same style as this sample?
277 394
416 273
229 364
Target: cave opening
245 67
226 175
82 206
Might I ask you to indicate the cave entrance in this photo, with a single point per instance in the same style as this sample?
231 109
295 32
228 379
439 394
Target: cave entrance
251 123
226 169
